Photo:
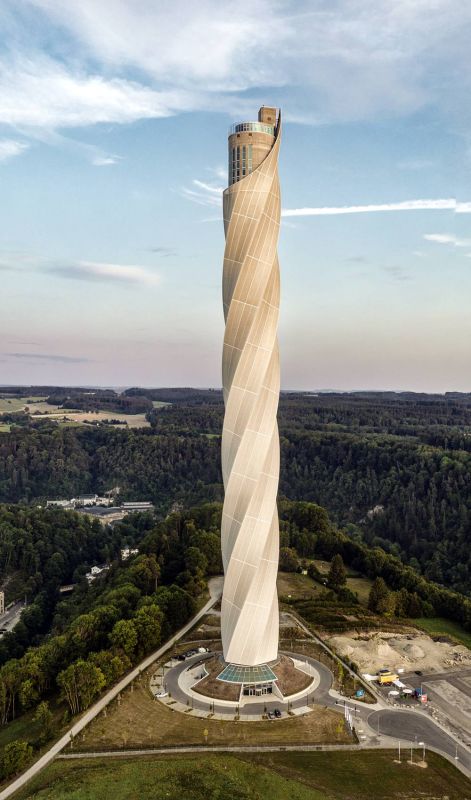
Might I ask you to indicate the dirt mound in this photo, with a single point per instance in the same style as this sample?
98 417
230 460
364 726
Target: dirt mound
413 651
374 651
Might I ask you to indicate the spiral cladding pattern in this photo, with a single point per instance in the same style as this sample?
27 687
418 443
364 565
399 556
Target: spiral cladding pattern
250 443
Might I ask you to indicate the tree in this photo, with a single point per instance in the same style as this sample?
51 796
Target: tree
337 576
16 756
80 683
145 573
28 694
195 561
210 545
289 561
43 716
124 636
379 594
111 665
148 623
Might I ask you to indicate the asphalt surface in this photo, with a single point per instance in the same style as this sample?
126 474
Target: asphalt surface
320 695
11 617
395 724
413 727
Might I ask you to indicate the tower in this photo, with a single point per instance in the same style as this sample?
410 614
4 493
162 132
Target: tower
251 385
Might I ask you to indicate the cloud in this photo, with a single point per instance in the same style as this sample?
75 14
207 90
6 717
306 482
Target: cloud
219 172
165 252
397 273
447 238
207 187
105 161
205 194
49 357
9 148
45 94
97 271
80 270
19 341
120 61
357 259
406 205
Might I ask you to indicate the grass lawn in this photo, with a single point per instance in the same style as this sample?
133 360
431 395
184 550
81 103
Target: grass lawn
21 728
358 584
141 721
297 585
370 774
10 405
437 626
264 776
66 416
25 728
361 587
211 777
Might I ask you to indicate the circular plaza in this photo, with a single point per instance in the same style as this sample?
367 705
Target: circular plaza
205 684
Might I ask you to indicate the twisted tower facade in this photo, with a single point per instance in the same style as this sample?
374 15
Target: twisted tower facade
251 384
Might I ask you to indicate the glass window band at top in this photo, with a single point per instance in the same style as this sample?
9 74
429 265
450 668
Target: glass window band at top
255 127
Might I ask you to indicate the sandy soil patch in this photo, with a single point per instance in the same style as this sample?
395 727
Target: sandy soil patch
374 651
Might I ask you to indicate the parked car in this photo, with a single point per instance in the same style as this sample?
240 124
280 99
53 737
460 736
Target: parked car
271 715
161 693
277 713
418 672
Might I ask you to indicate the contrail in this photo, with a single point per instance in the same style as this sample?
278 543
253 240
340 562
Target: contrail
406 205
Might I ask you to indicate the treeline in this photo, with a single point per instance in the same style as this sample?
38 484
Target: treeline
392 468
97 634
394 492
101 630
306 529
179 395
101 400
41 549
49 461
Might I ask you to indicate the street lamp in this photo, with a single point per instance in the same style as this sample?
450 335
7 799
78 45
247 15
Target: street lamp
422 745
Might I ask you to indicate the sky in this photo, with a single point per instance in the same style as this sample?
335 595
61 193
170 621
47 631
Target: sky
113 140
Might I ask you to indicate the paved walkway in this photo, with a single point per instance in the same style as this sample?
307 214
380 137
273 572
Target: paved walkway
385 744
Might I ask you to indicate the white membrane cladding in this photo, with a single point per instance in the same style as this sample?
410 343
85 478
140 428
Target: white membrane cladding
250 443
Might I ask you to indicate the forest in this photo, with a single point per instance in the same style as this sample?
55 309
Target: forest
80 645
392 469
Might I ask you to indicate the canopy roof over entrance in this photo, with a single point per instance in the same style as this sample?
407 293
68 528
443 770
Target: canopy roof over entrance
235 673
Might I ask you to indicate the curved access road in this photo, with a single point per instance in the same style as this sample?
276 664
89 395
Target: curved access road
414 727
215 590
319 695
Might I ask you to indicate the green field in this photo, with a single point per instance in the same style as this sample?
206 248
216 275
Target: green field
296 586
437 626
361 587
263 776
9 405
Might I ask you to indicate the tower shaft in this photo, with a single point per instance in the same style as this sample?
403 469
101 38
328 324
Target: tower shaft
251 384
